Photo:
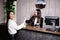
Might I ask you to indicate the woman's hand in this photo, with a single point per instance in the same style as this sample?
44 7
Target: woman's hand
24 23
25 20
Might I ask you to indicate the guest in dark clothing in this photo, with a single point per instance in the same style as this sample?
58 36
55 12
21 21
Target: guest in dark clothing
36 19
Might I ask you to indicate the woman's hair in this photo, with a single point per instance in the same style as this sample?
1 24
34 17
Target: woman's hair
38 10
8 17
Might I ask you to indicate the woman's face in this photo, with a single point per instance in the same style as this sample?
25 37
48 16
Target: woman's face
11 15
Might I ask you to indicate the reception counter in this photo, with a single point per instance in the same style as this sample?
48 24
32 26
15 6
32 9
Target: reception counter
38 29
31 33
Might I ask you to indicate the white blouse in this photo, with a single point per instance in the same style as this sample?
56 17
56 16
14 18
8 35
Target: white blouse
35 22
12 26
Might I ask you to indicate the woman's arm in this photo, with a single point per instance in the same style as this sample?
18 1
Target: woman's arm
23 25
13 25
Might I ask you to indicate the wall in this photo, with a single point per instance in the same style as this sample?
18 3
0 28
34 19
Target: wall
52 8
25 8
1 12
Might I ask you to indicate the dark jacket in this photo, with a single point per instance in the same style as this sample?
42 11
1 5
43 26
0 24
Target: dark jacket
31 22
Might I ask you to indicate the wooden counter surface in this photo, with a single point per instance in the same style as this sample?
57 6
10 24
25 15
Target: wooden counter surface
40 30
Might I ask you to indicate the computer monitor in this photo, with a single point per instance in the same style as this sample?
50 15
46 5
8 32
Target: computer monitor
53 21
49 20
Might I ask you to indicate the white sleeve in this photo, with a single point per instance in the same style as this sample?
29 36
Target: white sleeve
21 26
14 25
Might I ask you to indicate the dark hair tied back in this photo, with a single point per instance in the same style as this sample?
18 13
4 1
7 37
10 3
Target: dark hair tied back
8 13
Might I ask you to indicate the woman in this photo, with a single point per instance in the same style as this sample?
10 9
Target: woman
36 19
12 26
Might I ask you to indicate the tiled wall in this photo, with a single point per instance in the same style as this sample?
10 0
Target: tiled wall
25 9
